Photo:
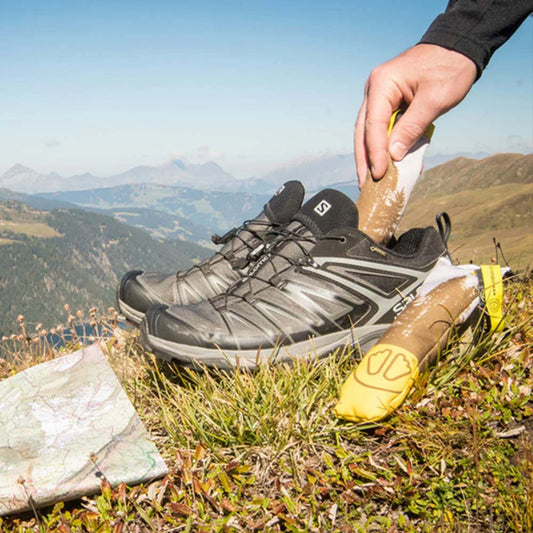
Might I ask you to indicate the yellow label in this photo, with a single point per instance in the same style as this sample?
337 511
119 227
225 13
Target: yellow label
378 385
493 286
428 133
393 120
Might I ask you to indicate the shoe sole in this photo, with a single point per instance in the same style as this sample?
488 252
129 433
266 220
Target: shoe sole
315 347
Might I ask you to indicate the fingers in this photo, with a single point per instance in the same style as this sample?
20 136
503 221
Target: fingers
428 78
361 162
411 126
383 98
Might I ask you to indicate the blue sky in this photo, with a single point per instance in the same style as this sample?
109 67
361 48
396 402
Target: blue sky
101 86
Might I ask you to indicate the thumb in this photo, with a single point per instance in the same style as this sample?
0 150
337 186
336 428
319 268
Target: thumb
411 126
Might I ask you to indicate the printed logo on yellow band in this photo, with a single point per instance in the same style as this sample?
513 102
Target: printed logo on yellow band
394 118
378 385
492 282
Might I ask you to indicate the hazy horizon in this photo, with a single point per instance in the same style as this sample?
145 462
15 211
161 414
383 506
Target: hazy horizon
102 87
429 163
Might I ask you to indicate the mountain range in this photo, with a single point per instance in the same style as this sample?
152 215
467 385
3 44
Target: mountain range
164 211
194 211
193 214
124 204
207 176
316 173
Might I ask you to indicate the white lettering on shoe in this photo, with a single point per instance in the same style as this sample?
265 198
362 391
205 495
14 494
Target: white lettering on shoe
399 307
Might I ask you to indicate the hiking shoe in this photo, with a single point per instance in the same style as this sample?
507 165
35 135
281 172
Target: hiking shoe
138 290
325 284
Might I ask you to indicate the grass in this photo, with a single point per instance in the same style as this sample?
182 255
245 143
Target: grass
263 451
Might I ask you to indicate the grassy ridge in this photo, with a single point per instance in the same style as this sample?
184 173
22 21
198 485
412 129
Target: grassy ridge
491 198
263 451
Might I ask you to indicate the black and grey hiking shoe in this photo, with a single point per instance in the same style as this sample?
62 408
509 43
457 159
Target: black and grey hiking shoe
324 284
137 290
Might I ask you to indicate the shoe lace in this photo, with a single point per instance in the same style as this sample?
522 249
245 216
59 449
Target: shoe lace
260 232
264 234
275 248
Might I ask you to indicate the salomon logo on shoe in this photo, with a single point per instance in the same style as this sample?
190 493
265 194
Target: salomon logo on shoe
322 208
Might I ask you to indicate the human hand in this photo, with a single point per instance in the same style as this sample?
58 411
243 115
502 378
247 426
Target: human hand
430 80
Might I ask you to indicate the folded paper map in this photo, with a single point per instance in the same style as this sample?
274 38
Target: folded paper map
64 426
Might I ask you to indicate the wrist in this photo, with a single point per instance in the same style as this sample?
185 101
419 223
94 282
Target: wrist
465 50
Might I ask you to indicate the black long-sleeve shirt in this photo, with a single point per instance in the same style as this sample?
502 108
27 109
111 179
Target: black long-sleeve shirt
477 28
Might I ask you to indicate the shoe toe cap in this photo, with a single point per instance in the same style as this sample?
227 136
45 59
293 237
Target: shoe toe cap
161 324
132 293
189 325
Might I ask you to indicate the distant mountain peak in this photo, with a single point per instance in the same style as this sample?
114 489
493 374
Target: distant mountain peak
17 169
178 163
210 165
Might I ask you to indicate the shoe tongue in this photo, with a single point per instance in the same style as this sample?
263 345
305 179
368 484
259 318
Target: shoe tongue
288 199
327 210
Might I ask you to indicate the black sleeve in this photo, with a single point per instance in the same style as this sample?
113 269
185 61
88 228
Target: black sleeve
477 28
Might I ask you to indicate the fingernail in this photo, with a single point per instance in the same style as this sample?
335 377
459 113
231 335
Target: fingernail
398 150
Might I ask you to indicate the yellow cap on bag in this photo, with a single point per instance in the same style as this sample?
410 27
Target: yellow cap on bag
378 385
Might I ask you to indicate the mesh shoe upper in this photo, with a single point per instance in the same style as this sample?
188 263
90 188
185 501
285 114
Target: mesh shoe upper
137 290
324 276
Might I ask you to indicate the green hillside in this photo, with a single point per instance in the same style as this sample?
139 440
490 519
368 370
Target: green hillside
49 259
486 199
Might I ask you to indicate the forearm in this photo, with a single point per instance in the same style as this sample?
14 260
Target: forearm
477 28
